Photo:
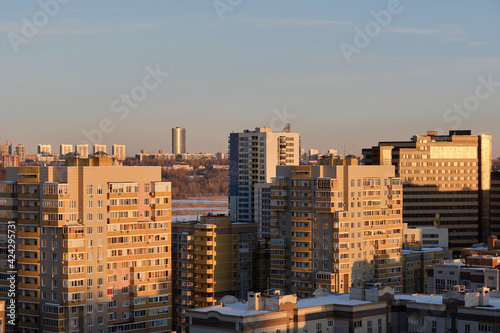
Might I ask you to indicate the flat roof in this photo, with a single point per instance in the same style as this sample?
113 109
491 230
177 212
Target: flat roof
342 299
236 309
421 298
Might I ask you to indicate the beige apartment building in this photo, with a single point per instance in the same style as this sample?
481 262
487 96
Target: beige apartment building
82 151
212 258
446 182
118 152
65 150
93 247
334 226
98 148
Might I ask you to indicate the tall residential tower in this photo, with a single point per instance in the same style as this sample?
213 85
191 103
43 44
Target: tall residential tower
253 157
335 226
93 247
178 140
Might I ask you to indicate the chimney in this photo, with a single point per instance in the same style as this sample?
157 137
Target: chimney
255 301
432 133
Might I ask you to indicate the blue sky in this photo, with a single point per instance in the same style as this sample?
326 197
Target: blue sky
265 58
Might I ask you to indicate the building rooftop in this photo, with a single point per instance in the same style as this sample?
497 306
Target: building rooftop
421 298
238 309
423 250
342 299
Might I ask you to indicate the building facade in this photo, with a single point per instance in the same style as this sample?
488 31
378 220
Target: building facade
273 312
495 204
44 149
66 149
427 237
82 151
212 258
179 141
93 251
20 152
253 157
446 182
119 152
10 160
445 276
335 226
99 149
416 260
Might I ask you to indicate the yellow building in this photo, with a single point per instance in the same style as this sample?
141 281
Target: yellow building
334 226
446 182
212 258
93 247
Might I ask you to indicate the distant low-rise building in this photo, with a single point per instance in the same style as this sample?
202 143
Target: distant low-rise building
426 236
415 261
443 277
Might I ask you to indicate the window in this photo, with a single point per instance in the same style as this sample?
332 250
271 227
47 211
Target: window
484 328
90 190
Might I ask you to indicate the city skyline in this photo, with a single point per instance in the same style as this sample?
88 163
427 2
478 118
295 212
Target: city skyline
261 66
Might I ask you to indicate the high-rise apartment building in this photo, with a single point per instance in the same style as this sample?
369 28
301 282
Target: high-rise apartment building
212 258
20 152
446 182
119 152
44 149
262 209
66 149
178 140
93 247
253 157
10 161
99 149
334 226
82 151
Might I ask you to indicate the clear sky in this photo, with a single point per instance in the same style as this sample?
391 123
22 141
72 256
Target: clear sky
266 60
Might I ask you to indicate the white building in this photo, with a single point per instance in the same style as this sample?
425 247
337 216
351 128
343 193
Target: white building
426 236
66 149
118 152
82 151
253 157
44 149
99 149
